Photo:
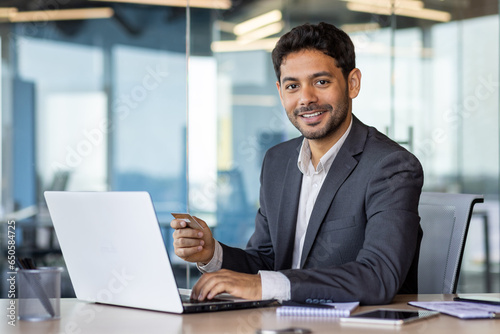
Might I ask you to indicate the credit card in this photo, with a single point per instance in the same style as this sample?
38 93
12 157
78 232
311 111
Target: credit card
188 219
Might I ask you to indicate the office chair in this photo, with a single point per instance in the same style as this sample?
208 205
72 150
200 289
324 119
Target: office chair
445 221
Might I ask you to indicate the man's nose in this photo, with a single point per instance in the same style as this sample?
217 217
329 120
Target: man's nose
307 96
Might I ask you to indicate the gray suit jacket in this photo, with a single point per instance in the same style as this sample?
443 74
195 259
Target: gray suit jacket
363 238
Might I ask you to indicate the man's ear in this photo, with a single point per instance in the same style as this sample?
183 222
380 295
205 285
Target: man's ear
354 82
279 92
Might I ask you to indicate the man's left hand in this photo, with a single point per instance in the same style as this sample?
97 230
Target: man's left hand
245 286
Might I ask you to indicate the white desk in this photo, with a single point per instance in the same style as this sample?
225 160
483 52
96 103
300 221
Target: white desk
80 317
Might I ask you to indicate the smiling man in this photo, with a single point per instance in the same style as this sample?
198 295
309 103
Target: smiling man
338 218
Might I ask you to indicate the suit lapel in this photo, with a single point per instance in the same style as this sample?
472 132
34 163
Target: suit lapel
287 219
340 170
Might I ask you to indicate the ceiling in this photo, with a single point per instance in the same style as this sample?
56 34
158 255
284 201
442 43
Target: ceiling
310 8
336 10
294 11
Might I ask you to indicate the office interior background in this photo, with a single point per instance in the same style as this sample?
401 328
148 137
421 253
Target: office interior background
180 101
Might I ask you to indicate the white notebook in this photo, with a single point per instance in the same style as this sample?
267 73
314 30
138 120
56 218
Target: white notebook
317 310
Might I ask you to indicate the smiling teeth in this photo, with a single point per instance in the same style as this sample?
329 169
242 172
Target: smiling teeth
312 115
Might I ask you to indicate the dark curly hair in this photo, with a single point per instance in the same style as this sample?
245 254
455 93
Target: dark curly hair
323 37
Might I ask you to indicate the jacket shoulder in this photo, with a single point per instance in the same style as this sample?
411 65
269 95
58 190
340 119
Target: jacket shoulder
287 148
379 144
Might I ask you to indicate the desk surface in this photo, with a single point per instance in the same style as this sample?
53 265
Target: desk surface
80 317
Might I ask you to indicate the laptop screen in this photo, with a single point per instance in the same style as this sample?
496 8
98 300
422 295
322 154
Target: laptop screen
113 248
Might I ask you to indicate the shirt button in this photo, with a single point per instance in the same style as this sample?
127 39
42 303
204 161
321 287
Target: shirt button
315 185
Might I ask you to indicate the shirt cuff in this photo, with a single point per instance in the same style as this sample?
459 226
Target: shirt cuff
275 285
215 263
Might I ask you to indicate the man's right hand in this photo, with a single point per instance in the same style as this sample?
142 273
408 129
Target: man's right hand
193 245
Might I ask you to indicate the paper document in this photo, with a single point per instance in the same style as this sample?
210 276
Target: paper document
462 310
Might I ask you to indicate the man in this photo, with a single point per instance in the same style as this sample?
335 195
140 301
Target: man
338 218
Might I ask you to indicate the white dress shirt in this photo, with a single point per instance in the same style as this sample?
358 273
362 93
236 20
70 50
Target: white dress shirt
275 284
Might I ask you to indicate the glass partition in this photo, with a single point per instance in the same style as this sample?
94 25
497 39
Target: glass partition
182 102
91 105
429 80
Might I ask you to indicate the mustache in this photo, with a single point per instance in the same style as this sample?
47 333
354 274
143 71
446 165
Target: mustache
312 107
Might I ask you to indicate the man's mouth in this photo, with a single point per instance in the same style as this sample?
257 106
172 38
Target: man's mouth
312 115
311 111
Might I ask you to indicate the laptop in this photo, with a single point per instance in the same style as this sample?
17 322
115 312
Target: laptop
115 253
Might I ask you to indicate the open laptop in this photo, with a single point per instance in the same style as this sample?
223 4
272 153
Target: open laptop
115 253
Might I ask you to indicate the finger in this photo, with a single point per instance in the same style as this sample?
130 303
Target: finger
240 285
188 233
212 285
178 223
195 292
188 242
221 281
186 252
207 288
216 289
205 285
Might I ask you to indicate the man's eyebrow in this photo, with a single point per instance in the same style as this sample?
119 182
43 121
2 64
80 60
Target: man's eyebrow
321 74
285 79
312 76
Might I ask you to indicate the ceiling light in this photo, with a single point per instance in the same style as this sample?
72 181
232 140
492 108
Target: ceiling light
422 13
224 26
257 22
214 4
5 12
426 14
61 15
266 44
355 27
410 4
266 31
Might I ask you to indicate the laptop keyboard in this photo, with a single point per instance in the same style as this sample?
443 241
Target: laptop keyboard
188 299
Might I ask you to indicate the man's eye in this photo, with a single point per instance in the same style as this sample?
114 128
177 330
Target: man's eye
292 86
322 82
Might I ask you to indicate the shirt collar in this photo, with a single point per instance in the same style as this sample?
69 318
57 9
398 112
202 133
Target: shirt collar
326 160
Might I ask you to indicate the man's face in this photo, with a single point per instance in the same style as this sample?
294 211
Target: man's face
315 94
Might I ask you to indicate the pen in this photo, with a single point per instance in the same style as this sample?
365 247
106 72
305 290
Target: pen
494 315
34 282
